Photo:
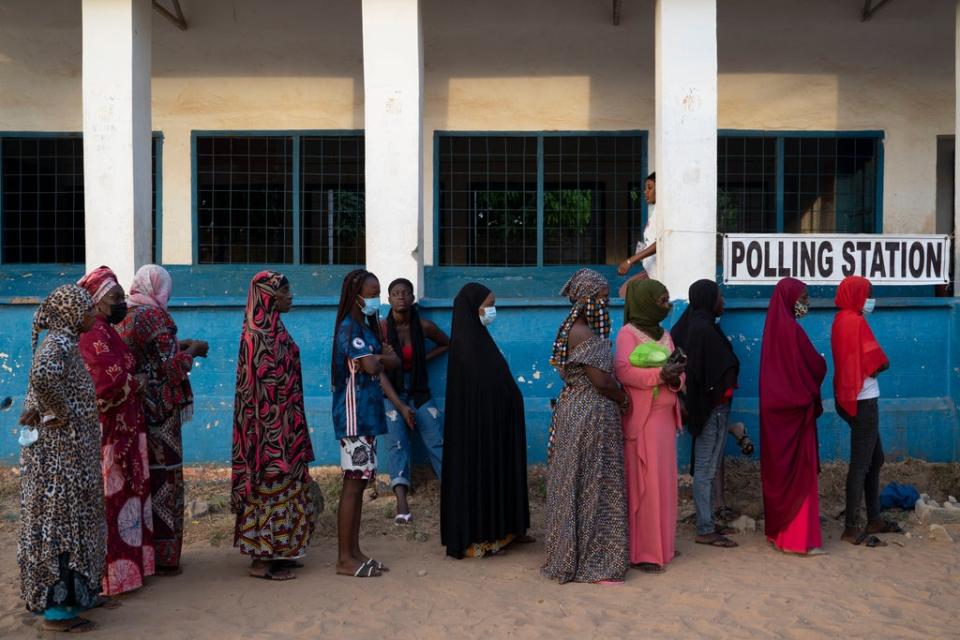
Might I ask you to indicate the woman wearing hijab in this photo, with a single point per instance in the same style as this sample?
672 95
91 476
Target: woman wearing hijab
271 440
483 494
151 334
586 504
650 428
712 370
62 527
409 406
126 474
791 372
857 361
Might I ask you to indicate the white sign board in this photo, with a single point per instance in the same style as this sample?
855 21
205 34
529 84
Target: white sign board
827 259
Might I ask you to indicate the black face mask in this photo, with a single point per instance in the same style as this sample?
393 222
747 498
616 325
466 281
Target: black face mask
118 312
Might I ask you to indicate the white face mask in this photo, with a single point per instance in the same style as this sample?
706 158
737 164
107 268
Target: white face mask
488 316
869 305
28 436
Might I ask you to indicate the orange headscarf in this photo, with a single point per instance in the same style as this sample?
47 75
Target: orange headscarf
856 352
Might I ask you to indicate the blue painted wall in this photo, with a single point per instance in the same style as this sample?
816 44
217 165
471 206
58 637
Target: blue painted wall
920 392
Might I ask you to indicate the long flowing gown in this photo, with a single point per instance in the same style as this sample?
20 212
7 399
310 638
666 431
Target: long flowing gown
791 372
483 493
152 337
126 474
650 453
586 503
271 440
62 530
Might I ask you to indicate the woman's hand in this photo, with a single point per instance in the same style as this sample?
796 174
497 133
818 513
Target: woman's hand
670 374
409 416
624 267
388 350
199 348
30 418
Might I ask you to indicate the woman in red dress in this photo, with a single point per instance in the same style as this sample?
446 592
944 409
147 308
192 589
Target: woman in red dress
126 474
791 372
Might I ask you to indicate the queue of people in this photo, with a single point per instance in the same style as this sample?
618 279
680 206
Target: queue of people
109 392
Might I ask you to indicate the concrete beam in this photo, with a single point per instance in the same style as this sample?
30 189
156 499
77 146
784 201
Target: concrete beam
686 149
116 134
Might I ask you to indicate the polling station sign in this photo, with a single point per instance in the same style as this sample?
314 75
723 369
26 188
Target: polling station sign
827 259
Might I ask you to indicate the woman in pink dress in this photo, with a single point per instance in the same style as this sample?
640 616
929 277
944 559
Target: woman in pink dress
126 474
791 372
649 429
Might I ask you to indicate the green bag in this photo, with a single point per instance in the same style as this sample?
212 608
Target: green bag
649 355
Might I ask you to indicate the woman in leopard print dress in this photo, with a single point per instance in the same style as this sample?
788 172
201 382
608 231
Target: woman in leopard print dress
63 531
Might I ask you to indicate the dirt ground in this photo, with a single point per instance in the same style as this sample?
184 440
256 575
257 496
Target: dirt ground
909 589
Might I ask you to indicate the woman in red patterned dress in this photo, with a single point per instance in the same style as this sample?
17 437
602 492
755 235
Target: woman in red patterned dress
126 475
271 441
151 334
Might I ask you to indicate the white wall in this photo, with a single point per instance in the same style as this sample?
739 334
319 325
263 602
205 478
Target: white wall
507 65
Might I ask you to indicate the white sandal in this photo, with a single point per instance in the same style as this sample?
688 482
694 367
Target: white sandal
403 519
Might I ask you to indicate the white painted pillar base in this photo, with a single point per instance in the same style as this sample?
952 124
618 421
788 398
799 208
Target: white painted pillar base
956 155
116 134
393 131
686 135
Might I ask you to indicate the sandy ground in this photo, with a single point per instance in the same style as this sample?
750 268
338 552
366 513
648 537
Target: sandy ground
909 589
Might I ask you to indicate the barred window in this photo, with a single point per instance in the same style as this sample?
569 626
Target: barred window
534 199
811 183
283 199
42 204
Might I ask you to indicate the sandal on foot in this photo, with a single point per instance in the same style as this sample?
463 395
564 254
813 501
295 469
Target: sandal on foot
867 540
884 526
403 519
73 625
716 540
649 567
368 569
274 573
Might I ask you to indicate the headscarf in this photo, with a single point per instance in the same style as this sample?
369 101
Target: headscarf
583 287
151 287
640 307
270 434
711 361
419 380
98 282
791 372
856 352
62 310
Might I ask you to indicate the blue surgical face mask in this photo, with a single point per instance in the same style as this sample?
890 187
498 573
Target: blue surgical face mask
869 305
370 306
28 436
489 315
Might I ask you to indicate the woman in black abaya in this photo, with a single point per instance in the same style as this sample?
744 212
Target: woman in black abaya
483 501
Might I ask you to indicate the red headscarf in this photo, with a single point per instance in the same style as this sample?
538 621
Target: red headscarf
98 282
856 353
791 372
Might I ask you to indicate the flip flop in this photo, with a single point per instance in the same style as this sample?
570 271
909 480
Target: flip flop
717 540
367 570
886 526
868 540
276 574
379 565
403 519
73 625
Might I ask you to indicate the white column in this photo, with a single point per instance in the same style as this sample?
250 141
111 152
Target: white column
393 129
116 134
686 134
956 147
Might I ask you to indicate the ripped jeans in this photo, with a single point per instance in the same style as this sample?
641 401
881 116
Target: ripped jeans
396 445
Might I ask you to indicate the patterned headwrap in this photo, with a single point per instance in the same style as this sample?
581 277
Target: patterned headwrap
151 287
62 310
583 287
98 282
